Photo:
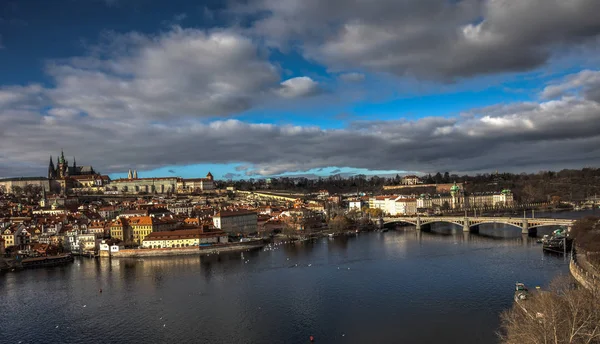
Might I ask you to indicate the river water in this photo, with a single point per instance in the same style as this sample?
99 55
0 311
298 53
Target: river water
401 286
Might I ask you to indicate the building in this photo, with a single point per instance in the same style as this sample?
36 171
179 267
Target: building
9 236
135 229
9 185
411 180
405 206
355 205
196 184
235 222
184 238
63 177
134 185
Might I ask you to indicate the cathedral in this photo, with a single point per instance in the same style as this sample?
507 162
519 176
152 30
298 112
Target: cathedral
63 170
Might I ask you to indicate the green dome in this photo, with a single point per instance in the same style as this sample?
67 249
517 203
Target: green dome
506 191
455 187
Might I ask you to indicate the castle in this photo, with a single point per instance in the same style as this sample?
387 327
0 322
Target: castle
63 177
63 170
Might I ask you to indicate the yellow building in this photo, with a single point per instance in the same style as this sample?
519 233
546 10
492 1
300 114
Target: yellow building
184 238
9 236
136 228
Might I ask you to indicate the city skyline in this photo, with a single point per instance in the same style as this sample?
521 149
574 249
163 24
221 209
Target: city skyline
272 88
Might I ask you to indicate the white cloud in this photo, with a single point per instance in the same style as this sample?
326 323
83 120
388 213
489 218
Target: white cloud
301 86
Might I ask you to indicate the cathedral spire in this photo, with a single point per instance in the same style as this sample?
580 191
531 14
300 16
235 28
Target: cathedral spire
51 170
74 163
129 176
135 176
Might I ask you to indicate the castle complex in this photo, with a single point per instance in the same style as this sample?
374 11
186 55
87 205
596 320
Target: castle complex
64 178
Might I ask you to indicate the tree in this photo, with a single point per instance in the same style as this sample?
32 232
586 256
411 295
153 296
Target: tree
563 314
446 177
340 223
17 190
445 206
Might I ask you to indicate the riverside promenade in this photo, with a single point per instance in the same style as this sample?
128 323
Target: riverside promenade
584 272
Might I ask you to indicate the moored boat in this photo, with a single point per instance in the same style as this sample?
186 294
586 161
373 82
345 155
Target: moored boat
521 292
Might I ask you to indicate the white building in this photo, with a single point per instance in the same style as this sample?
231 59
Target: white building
355 205
241 221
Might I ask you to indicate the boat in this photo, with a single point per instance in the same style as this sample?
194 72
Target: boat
558 242
521 292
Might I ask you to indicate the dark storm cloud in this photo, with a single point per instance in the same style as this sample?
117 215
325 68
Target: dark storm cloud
431 38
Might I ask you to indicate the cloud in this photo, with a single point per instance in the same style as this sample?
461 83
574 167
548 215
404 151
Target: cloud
177 73
230 175
432 39
299 87
587 81
337 170
172 171
559 133
352 77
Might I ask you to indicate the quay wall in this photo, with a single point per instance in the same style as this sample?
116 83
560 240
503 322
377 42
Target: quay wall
586 279
166 252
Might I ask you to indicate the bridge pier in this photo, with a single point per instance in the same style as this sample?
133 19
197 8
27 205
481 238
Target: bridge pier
466 225
525 227
418 225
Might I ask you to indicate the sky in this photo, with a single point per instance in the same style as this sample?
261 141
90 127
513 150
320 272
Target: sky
267 88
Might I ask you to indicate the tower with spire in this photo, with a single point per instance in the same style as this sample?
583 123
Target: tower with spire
51 169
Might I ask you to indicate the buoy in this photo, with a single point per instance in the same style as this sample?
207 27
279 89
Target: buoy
312 339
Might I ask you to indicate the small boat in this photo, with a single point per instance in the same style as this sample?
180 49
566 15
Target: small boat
521 292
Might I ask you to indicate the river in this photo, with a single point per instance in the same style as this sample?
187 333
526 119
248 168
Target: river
401 286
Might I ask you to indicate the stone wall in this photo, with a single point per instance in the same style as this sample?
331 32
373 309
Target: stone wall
585 278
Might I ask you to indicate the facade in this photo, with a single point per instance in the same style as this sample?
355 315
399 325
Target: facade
9 236
135 229
355 205
184 238
9 184
411 180
405 206
196 184
143 185
240 221
2 246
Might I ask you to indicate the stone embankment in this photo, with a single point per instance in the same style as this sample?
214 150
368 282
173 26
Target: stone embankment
166 252
584 272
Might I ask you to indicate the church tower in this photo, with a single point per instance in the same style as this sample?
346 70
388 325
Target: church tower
63 166
51 169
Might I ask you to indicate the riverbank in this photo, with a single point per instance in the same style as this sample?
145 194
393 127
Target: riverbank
167 252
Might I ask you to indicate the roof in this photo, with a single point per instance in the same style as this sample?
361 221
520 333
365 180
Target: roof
235 213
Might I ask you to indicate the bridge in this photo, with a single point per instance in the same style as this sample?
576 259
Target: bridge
472 223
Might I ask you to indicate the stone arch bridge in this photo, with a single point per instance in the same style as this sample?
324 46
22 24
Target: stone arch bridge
471 223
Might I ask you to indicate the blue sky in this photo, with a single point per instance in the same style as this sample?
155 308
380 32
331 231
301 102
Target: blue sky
267 88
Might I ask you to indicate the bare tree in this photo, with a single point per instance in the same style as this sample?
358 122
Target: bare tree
565 313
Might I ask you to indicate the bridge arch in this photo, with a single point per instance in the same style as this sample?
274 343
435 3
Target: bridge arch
400 220
473 225
441 221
